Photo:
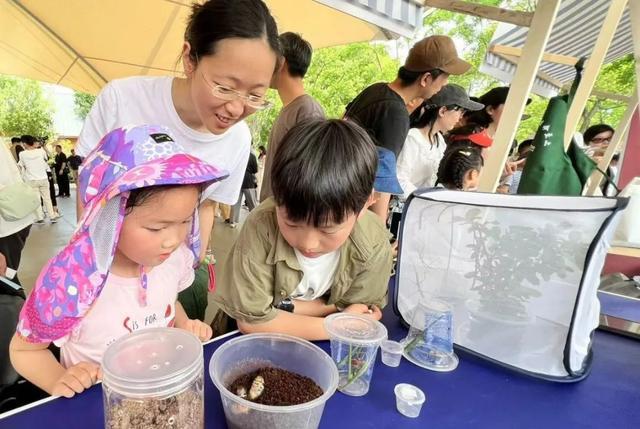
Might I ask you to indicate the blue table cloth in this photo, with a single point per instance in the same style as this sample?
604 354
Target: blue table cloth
477 394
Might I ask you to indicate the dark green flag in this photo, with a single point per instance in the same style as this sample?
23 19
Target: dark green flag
549 170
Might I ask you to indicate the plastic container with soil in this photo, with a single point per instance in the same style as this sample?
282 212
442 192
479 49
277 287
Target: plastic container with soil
154 378
244 355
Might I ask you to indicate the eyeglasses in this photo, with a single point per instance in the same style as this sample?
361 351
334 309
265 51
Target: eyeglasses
228 94
600 139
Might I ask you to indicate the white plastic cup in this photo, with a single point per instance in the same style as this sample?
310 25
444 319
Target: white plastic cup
409 399
391 352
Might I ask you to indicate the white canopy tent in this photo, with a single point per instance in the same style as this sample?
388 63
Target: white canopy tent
82 44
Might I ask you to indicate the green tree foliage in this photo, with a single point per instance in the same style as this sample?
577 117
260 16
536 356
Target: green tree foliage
24 108
83 103
336 76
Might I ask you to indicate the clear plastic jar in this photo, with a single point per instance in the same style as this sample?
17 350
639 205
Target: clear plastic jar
154 378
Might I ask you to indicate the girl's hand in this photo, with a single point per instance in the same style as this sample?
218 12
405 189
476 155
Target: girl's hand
198 328
77 379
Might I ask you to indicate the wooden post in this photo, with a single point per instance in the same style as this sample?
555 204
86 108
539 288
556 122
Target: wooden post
608 30
493 13
619 138
634 14
526 71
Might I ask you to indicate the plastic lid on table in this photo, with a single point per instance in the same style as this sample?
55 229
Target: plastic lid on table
355 329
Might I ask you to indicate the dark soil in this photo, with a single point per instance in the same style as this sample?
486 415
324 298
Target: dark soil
281 387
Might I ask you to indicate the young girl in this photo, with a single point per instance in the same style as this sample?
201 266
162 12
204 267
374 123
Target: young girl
132 253
461 166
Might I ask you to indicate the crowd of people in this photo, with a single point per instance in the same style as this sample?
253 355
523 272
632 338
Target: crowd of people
317 241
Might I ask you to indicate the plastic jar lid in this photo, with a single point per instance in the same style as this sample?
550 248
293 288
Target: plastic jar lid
355 329
153 362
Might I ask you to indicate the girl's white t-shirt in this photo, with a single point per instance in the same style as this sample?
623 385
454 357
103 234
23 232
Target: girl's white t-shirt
147 100
418 161
117 310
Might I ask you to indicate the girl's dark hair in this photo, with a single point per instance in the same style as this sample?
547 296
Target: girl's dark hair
594 130
408 77
479 117
458 159
464 130
139 196
216 20
323 171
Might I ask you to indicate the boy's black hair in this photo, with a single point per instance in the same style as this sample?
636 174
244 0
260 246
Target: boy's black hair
323 171
297 52
524 147
408 77
15 140
139 196
594 130
458 159
28 140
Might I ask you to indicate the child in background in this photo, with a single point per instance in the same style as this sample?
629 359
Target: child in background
132 253
313 248
461 166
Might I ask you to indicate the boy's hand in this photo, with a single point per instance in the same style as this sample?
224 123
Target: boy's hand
199 329
77 379
370 311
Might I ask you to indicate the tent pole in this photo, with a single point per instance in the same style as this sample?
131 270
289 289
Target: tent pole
591 70
619 138
525 75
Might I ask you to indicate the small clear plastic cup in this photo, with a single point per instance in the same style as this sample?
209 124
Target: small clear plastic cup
391 352
409 399
354 344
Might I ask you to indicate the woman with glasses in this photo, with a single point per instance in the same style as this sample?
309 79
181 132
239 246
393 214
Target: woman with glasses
229 56
424 147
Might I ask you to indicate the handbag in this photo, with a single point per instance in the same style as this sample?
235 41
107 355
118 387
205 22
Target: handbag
17 201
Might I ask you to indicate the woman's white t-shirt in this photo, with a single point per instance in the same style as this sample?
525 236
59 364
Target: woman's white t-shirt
418 161
147 100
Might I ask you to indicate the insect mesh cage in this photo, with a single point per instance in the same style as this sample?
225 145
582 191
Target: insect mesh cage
520 273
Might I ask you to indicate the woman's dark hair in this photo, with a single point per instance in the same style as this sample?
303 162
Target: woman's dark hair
458 159
262 150
426 116
28 140
594 130
139 196
408 77
216 20
297 52
323 171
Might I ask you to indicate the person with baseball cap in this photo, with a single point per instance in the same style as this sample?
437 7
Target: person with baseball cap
425 146
381 108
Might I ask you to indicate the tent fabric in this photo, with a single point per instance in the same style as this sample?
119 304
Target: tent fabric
574 33
82 44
